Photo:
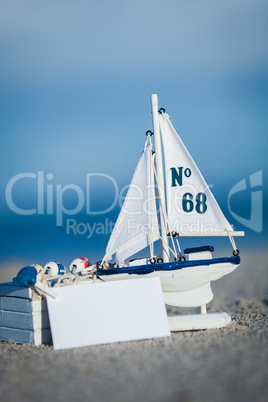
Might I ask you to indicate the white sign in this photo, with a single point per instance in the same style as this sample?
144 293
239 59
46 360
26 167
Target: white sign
98 313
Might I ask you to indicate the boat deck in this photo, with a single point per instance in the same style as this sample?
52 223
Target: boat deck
167 266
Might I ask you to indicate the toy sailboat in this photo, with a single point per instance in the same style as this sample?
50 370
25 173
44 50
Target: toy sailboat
168 198
155 208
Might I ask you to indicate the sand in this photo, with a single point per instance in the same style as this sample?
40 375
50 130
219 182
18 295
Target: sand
212 365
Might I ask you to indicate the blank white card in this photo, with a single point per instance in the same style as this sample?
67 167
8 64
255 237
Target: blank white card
92 314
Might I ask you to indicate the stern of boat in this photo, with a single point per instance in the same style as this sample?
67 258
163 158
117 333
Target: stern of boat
191 287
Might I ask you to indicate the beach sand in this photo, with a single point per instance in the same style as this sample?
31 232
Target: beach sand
212 365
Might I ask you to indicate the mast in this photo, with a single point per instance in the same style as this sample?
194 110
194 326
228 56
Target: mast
160 176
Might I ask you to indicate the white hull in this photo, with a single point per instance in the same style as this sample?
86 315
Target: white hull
187 287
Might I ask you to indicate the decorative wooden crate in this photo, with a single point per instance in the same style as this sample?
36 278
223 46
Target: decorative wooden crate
23 315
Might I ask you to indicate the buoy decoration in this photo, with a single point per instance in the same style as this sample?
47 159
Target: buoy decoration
30 275
78 265
53 268
35 273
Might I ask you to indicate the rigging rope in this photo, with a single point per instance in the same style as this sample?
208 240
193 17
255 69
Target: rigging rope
167 223
151 188
236 251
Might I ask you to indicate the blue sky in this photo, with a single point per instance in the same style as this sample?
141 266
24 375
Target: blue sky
75 85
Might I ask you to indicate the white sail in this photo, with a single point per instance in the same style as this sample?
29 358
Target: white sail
137 224
191 208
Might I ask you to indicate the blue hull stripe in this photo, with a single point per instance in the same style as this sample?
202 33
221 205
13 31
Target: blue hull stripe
167 266
198 249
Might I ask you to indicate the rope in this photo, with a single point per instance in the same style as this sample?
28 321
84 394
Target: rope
178 244
69 279
170 249
232 242
151 199
167 224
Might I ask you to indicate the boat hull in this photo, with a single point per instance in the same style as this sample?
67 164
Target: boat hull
184 283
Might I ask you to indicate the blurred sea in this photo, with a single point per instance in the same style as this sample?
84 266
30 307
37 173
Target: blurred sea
75 84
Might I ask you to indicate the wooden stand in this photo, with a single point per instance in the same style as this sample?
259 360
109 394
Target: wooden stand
192 322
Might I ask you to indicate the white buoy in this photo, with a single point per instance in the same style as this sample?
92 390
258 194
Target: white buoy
40 272
78 265
53 268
